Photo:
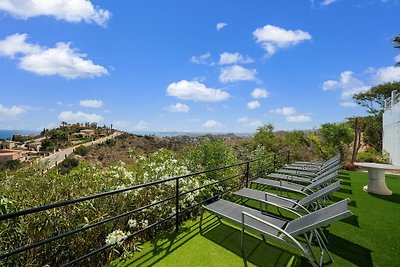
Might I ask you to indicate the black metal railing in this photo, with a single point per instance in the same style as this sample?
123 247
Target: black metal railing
244 172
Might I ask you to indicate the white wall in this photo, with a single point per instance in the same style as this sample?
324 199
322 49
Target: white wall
391 133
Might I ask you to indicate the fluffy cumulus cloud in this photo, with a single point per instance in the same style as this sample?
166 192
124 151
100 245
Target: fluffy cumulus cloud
232 58
212 124
204 59
273 38
386 74
298 118
250 123
12 112
284 111
91 103
79 116
178 107
291 114
68 10
259 93
253 105
60 60
221 25
347 83
196 91
236 73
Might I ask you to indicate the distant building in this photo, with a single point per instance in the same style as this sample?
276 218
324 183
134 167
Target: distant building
10 154
87 132
35 146
7 144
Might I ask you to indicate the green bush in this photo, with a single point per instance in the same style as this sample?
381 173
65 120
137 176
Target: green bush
371 155
81 150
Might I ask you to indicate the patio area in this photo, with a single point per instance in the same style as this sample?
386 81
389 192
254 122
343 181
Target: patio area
369 238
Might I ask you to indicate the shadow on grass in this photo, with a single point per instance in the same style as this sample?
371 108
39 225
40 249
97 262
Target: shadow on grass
345 191
343 177
395 197
346 183
350 251
353 220
352 203
166 243
256 251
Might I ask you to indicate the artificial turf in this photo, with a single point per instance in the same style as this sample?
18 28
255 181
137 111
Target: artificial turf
371 237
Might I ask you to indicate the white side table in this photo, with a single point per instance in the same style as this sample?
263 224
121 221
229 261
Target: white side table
376 177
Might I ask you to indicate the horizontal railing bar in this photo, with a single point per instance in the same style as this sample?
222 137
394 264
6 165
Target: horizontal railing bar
111 245
213 183
217 195
54 238
113 192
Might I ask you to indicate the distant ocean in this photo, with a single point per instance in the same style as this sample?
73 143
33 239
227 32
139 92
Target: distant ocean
174 134
7 134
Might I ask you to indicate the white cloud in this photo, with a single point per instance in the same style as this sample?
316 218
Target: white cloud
221 25
178 107
212 124
284 111
236 73
142 125
60 60
348 104
68 10
121 125
397 58
327 2
347 83
273 38
259 93
16 44
196 91
298 118
202 59
91 103
386 74
232 58
11 112
251 123
79 116
253 105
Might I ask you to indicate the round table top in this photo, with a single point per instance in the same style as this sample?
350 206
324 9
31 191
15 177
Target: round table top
377 165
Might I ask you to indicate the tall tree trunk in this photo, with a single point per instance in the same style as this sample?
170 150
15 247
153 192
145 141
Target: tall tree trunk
357 141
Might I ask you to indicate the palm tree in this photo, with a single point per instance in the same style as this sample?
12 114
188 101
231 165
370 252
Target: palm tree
396 41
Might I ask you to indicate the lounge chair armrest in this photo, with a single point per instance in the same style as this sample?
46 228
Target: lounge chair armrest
273 226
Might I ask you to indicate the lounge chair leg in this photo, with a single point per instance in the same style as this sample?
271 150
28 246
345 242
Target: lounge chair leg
310 247
201 220
242 236
319 238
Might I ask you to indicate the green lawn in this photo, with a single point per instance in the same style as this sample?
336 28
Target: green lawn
370 238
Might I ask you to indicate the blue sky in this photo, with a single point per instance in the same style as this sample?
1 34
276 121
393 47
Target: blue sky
198 66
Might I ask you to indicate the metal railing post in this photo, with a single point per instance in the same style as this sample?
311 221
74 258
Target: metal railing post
177 205
288 157
247 174
274 161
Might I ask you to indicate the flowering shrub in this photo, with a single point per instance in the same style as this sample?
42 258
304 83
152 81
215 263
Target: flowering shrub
30 187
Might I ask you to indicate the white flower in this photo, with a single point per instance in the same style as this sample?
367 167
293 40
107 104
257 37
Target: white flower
145 223
116 237
132 223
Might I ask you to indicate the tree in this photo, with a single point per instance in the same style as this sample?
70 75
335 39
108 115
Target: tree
265 136
336 137
396 41
374 98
